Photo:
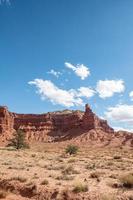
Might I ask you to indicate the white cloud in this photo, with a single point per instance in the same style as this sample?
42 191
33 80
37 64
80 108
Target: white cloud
48 90
120 113
67 98
86 92
80 70
131 95
107 88
55 73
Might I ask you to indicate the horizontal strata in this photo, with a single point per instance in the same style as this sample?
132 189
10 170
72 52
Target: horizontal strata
50 126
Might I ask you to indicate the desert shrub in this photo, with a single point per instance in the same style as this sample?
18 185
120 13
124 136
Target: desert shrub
18 140
71 160
90 166
127 180
45 182
65 177
69 170
79 187
95 175
72 149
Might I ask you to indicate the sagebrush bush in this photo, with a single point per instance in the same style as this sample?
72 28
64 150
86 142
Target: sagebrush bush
72 149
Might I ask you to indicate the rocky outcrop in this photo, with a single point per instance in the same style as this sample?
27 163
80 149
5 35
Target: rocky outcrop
51 126
91 121
6 123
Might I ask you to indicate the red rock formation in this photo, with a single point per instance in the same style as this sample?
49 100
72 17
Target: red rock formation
6 123
75 126
50 126
60 126
91 121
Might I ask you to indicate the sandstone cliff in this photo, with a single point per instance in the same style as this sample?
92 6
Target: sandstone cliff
60 126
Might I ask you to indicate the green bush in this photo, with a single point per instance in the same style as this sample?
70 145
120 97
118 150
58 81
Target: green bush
72 149
18 141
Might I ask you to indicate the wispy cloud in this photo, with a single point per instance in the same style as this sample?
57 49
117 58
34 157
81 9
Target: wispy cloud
80 70
107 88
48 90
5 1
54 73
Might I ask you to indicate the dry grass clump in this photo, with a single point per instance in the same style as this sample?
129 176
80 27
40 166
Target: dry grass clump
18 178
71 160
79 187
59 159
108 197
90 166
127 180
69 170
65 177
53 167
45 182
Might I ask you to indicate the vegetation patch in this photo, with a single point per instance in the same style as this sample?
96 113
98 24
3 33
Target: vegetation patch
18 141
79 187
45 182
72 149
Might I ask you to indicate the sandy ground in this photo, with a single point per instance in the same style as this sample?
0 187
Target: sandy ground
47 167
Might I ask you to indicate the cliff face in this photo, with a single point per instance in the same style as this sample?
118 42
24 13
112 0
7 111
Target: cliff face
6 123
50 126
91 121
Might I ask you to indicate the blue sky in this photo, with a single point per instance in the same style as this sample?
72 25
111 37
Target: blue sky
64 53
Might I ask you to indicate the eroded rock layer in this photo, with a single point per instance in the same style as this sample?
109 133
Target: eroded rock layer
52 126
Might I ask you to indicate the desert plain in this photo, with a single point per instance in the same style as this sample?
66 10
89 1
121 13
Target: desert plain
45 171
